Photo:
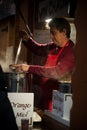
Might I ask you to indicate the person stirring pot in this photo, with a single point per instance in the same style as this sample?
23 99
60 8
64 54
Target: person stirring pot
59 63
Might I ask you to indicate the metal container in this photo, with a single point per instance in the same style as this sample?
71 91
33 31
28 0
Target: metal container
65 87
18 82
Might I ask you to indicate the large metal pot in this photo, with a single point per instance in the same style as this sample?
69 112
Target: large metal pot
18 82
65 87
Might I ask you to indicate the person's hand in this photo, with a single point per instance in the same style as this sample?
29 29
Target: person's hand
24 35
20 67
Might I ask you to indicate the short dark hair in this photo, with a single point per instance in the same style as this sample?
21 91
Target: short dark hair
60 24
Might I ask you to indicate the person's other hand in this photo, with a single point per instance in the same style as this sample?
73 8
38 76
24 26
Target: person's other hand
24 35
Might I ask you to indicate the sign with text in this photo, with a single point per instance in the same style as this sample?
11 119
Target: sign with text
22 104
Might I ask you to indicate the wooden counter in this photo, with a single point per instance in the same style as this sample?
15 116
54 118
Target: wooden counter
50 122
55 123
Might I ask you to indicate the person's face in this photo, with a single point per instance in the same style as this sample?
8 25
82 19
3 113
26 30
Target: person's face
57 36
